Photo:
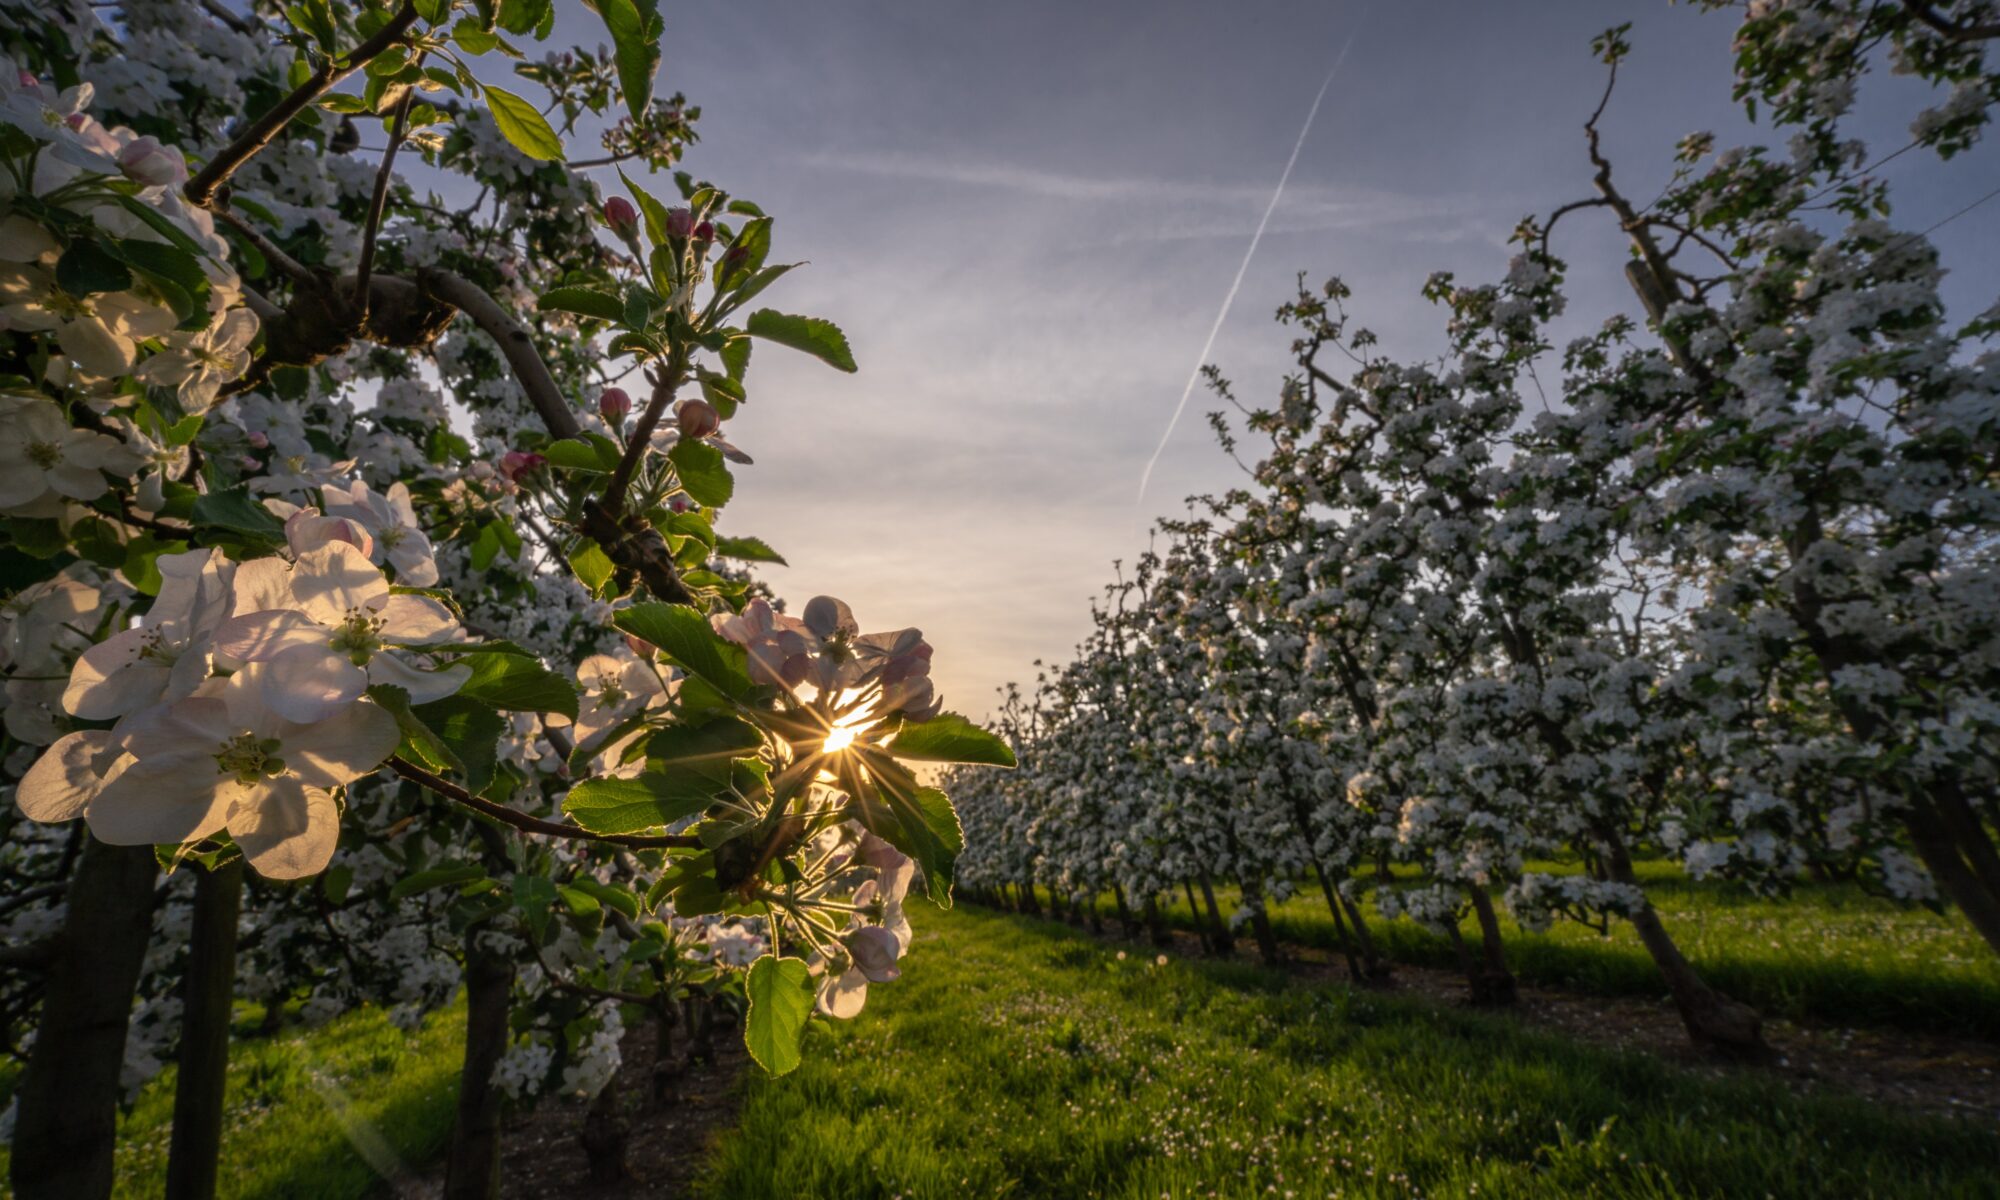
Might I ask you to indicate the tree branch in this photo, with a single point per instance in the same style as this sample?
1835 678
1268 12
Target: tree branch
631 544
515 343
640 440
1952 31
202 188
266 247
379 202
527 824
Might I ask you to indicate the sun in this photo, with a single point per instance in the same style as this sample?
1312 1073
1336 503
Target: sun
846 730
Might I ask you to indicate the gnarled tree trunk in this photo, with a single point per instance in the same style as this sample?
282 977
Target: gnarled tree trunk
472 1164
1492 982
1714 1021
67 1123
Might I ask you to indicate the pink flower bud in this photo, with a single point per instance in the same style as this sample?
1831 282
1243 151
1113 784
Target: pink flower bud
146 161
641 648
697 418
680 222
704 232
621 216
259 439
518 464
613 404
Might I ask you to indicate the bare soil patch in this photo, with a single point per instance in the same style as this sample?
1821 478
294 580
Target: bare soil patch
667 1140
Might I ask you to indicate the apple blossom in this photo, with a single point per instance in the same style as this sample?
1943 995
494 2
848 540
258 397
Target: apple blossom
200 362
164 657
391 521
220 759
45 461
338 629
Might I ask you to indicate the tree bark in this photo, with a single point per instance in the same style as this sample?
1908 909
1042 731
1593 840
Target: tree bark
1952 856
1714 1022
1194 914
1126 924
1339 924
1156 924
1492 983
67 1123
1225 942
472 1164
1267 938
1377 962
605 1134
195 1150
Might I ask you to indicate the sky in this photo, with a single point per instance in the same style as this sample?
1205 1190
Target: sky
1025 217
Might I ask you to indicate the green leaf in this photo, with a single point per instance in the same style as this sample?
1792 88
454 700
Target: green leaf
173 272
708 749
517 684
159 224
592 565
702 472
607 895
636 35
142 562
534 895
754 243
470 38
88 267
736 357
470 730
950 738
819 338
579 902
764 278
587 301
748 549
781 998
576 456
523 126
652 210
684 635
649 800
420 741
235 511
522 16
920 822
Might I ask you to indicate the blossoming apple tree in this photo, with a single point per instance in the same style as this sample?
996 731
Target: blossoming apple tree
1721 586
365 633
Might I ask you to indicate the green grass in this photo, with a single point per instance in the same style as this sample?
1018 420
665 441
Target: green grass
297 1104
1019 1058
1828 953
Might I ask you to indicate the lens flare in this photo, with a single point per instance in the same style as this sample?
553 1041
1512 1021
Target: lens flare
846 729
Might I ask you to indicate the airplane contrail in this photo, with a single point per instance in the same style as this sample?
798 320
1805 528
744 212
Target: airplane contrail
1147 476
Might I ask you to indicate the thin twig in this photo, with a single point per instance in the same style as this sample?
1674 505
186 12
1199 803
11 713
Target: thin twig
201 190
527 824
639 441
1952 31
379 202
266 247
